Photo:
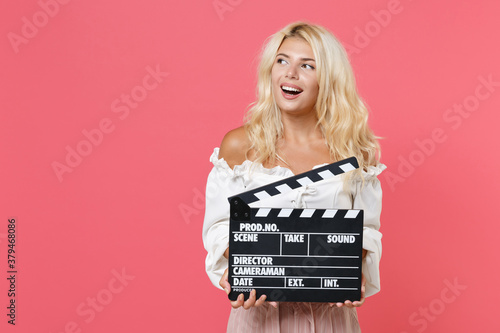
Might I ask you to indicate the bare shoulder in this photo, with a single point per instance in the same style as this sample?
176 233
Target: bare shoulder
234 146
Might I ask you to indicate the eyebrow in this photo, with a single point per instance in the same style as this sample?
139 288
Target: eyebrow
303 59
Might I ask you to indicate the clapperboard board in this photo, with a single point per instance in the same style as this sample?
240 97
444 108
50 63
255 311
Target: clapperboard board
295 255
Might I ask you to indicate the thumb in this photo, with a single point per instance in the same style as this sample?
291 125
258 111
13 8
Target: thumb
227 287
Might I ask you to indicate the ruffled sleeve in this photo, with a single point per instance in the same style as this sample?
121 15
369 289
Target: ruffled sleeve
222 183
368 196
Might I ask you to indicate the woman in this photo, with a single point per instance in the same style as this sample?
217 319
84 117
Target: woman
307 114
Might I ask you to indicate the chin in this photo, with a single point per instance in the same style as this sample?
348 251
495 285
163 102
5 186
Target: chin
295 110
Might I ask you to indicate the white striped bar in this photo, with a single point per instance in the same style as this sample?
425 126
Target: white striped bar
303 179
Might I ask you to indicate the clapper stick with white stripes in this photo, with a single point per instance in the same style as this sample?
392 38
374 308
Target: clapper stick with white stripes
239 211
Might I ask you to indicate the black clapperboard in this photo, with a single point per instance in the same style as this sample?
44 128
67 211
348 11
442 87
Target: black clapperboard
292 254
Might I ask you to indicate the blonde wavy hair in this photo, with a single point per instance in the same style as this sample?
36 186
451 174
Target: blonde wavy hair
342 114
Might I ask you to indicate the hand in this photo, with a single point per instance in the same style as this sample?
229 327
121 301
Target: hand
354 304
240 301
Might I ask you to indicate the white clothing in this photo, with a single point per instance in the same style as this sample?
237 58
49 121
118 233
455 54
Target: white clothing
224 182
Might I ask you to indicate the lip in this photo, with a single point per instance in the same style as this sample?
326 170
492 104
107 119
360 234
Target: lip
291 86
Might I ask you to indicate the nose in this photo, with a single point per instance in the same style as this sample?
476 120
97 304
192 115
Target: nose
291 72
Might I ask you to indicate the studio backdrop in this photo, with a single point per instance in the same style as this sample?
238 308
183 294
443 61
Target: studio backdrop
110 110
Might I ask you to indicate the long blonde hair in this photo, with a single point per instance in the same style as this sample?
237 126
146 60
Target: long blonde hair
342 115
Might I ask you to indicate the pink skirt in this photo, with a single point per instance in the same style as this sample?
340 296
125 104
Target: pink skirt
291 317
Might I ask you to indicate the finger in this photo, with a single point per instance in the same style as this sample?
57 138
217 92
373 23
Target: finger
339 305
363 289
358 303
261 300
362 299
224 283
348 303
363 286
274 304
331 304
227 287
251 300
239 301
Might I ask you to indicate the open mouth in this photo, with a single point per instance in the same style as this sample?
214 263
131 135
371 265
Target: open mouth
291 90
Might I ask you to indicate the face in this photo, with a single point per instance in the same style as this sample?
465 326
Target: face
293 75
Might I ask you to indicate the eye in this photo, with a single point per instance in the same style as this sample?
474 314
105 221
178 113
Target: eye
281 61
308 66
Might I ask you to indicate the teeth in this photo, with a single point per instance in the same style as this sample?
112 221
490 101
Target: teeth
290 89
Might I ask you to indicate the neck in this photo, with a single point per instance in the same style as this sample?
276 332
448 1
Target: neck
300 128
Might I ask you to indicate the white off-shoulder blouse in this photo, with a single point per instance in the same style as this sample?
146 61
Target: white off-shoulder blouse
224 182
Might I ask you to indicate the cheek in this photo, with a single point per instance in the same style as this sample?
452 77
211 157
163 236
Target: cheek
314 87
275 82
274 75
314 94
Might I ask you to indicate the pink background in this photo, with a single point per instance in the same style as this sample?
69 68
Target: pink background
134 204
